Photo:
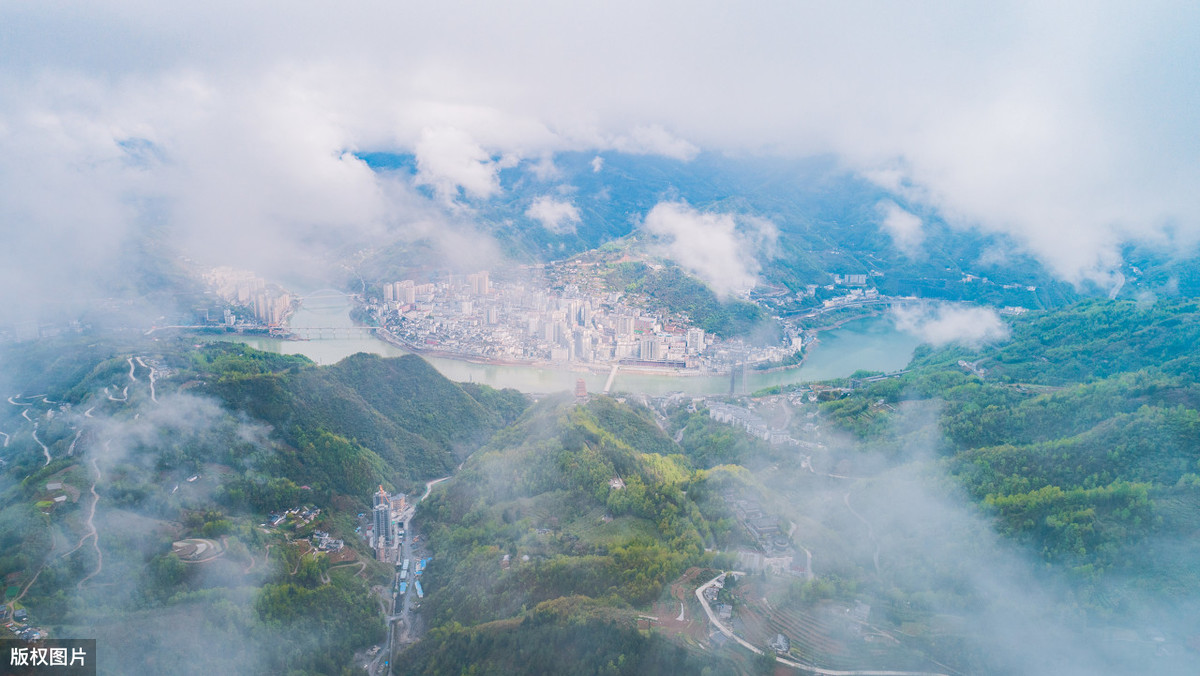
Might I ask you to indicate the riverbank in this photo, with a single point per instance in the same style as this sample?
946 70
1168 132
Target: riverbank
603 367
396 341
813 342
872 344
577 367
842 322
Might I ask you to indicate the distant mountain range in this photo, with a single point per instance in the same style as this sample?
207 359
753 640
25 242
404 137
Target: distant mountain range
828 220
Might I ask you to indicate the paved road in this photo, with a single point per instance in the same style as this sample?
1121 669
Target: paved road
1117 286
811 668
401 619
870 531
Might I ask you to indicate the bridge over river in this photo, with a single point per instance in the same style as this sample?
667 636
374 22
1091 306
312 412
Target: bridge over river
325 293
330 332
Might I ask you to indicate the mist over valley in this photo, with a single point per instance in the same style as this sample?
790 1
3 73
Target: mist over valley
817 338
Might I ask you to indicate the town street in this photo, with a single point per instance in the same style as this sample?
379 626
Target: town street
403 623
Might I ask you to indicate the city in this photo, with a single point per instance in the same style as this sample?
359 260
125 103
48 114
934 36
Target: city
474 317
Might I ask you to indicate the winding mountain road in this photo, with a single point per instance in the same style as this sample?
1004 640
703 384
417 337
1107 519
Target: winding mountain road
45 450
153 377
811 668
92 532
429 487
13 603
870 530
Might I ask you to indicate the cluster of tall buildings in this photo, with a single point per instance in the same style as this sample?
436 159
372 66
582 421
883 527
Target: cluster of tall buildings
404 293
470 315
266 303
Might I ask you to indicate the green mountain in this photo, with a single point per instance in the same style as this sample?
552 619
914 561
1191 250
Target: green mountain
565 521
571 635
672 288
1081 440
545 484
365 420
96 529
828 221
1077 452
1046 487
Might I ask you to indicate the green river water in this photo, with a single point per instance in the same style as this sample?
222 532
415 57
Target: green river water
872 344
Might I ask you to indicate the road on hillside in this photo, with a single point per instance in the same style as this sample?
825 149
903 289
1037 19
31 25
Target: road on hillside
403 623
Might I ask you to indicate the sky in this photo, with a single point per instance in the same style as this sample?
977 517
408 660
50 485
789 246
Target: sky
1070 126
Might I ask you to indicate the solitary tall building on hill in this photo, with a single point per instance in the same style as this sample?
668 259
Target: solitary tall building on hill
383 524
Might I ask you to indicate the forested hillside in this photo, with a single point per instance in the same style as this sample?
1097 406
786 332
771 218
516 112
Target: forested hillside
591 502
672 288
156 485
571 635
1081 440
576 531
365 420
828 221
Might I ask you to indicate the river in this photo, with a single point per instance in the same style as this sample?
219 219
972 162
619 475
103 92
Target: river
873 344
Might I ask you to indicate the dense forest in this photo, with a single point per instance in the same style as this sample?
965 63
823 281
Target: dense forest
1079 437
672 289
363 421
1076 441
544 488
587 506
202 458
569 635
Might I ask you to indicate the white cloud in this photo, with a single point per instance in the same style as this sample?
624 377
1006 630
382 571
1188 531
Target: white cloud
449 159
1072 130
903 227
996 255
719 248
557 216
597 164
254 173
545 169
655 140
943 323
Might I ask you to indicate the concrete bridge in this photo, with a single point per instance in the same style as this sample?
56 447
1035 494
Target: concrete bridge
330 332
612 375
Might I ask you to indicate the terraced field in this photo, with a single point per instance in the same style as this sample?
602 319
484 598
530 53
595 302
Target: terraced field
823 634
197 550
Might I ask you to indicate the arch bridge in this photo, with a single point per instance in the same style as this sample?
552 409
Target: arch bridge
326 293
